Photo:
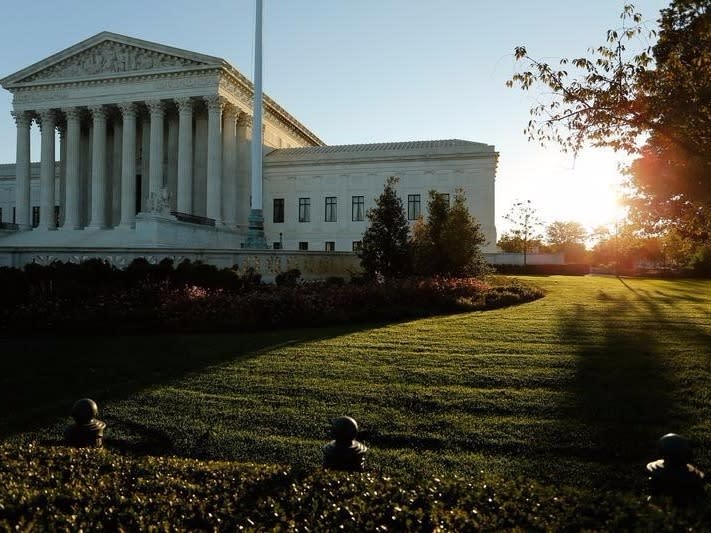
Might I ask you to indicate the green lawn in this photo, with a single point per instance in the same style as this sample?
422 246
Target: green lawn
574 388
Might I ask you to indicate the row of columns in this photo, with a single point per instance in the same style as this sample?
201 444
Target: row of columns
221 144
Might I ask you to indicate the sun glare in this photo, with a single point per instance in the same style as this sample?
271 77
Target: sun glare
585 189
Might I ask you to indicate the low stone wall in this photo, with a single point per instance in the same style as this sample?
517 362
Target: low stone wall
506 258
269 263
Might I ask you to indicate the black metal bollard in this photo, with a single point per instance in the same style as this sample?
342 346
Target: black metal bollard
344 452
674 475
86 431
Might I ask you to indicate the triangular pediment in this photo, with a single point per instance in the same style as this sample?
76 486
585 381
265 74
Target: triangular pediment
107 55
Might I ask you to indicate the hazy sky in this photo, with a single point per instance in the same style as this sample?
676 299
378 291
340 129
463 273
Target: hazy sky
359 71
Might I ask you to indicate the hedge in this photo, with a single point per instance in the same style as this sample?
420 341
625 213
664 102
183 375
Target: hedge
546 270
55 488
69 299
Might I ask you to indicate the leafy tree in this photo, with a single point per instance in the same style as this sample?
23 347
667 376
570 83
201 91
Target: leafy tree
526 224
560 233
513 244
567 237
385 246
654 102
449 242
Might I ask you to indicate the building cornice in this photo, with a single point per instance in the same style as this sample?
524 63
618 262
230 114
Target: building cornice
373 158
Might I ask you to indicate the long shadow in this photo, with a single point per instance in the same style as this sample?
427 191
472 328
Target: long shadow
622 393
41 377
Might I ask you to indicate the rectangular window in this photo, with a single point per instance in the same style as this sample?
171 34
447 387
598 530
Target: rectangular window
0 214
358 208
277 246
304 209
413 206
330 246
35 216
357 246
278 210
14 215
303 245
56 216
330 214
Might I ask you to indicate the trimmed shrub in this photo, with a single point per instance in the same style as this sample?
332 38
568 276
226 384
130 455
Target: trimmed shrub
700 263
545 270
66 489
200 298
290 278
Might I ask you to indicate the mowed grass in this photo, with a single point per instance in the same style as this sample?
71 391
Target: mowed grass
574 388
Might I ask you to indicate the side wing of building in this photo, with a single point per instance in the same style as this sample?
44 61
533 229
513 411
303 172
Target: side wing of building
317 198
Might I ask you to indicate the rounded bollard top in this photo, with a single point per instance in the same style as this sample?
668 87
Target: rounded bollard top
344 429
674 448
84 411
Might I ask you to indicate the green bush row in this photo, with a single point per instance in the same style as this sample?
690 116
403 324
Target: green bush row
62 489
158 298
546 270
75 280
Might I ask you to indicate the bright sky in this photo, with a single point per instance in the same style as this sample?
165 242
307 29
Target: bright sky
358 71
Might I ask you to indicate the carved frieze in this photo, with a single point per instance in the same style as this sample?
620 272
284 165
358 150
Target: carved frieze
110 57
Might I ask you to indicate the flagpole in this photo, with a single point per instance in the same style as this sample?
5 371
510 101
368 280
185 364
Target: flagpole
255 235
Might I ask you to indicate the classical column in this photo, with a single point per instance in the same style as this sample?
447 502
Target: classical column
128 166
171 168
185 155
47 170
73 192
145 159
155 176
244 167
23 120
215 105
62 128
98 168
116 175
229 166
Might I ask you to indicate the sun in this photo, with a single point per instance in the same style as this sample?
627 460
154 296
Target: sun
585 189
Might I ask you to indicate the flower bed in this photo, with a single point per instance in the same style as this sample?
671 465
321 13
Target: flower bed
168 300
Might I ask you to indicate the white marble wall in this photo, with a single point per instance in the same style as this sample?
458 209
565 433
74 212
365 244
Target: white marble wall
347 178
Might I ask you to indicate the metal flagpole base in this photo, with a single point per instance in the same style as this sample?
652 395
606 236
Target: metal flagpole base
255 233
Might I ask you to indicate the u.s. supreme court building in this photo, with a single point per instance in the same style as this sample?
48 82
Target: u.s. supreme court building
145 152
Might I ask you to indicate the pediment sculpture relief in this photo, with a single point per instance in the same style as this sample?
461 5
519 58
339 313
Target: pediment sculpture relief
109 58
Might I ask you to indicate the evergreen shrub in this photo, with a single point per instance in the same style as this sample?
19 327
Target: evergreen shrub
62 489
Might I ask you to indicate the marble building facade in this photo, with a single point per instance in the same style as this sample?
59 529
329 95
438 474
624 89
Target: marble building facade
147 147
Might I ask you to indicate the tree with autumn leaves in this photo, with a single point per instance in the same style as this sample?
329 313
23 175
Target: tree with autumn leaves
653 102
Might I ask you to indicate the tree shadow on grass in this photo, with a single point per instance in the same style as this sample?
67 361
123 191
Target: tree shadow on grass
622 395
42 377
